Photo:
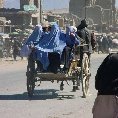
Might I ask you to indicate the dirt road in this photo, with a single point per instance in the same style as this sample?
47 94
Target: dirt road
46 103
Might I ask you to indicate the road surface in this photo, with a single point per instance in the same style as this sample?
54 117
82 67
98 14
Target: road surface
46 103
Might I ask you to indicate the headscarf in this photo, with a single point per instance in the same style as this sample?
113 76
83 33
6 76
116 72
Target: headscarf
71 36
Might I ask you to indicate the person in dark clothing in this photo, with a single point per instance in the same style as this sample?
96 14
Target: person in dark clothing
109 42
54 62
105 44
106 80
16 47
85 34
93 41
99 43
106 83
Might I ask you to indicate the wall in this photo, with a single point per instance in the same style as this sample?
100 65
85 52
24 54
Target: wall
107 10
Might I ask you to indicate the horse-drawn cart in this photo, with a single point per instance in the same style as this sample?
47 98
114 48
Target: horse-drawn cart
78 72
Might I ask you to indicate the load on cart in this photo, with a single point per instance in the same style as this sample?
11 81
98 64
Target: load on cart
56 55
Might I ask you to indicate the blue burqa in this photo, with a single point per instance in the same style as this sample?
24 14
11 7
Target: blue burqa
45 42
71 37
54 41
32 40
35 36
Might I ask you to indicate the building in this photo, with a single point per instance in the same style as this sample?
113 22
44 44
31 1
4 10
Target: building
36 17
101 12
29 14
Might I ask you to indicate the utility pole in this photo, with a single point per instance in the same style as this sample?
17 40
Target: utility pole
40 11
85 9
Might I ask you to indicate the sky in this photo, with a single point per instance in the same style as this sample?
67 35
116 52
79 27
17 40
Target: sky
46 4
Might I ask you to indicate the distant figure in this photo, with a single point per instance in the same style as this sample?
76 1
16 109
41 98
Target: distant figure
4 53
99 43
93 41
106 83
109 41
16 46
105 44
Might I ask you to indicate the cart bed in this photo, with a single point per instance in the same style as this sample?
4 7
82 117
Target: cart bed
52 76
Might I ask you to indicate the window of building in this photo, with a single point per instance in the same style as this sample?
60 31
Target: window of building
36 3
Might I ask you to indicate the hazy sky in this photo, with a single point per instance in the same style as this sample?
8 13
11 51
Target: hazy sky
47 4
117 3
54 4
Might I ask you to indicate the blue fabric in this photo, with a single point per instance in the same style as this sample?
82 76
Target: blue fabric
52 42
32 40
71 37
35 36
25 51
55 41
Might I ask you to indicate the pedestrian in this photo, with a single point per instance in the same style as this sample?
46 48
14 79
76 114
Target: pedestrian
99 42
105 43
15 49
93 41
106 83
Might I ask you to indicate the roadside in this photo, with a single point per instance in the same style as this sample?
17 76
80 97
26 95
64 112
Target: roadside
4 61
45 101
9 64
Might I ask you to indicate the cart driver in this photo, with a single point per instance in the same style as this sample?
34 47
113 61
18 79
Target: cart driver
85 34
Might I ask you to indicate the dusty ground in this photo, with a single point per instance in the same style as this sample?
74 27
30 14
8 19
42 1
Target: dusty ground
14 102
8 64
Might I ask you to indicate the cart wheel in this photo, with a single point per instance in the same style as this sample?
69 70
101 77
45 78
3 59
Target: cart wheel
85 75
85 86
30 84
30 76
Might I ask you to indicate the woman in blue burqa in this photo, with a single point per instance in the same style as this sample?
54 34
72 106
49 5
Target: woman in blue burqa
49 46
31 41
55 46
72 40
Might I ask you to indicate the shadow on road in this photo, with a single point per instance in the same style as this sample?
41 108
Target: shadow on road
38 95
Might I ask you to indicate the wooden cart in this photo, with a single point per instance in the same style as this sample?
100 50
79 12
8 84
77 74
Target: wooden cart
78 73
